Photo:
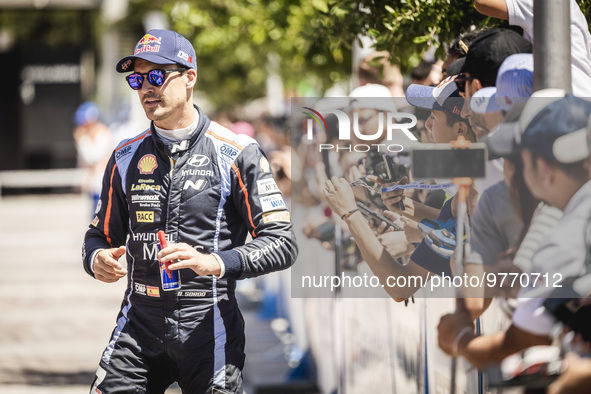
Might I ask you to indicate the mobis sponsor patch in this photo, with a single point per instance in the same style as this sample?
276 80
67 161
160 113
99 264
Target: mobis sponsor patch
267 186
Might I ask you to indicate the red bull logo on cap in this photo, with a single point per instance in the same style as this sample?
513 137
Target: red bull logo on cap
149 39
148 43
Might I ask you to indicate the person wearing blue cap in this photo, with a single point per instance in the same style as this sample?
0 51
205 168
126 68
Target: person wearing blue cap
540 136
494 226
94 143
189 181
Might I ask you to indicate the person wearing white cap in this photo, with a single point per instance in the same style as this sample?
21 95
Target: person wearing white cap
547 120
495 227
445 122
515 83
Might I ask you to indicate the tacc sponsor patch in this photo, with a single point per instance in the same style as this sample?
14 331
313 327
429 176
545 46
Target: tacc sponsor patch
276 217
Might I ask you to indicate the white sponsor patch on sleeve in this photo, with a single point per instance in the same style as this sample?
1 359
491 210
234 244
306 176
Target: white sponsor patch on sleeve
273 202
267 186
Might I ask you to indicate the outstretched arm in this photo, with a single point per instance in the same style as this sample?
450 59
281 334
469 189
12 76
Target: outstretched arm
339 196
486 349
493 8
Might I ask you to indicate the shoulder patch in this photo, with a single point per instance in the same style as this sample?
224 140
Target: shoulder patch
274 202
125 147
124 152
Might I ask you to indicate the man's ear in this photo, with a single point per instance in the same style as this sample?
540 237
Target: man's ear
191 78
462 129
476 85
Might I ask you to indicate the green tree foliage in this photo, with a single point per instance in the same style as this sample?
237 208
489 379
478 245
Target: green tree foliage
405 28
234 39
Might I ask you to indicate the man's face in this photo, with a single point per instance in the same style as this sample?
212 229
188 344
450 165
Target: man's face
469 90
482 124
437 125
162 104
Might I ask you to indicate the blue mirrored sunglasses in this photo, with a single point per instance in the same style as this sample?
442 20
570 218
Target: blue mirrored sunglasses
155 77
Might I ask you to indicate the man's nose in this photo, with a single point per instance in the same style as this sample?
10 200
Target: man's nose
146 86
429 123
466 108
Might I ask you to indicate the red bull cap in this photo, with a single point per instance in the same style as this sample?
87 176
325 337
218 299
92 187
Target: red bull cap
161 47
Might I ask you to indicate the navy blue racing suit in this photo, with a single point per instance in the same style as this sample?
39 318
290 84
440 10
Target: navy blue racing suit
209 192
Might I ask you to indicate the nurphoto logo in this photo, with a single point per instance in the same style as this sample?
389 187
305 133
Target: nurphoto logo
388 125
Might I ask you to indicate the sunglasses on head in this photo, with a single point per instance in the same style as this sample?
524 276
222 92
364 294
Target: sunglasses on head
155 77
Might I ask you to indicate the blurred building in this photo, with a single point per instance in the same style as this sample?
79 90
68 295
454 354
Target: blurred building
51 58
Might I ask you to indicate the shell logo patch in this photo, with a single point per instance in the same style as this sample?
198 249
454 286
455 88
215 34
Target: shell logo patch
147 164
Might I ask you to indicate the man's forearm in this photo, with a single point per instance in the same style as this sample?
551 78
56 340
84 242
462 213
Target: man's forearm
492 349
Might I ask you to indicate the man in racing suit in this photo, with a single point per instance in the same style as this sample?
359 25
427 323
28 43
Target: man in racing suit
206 187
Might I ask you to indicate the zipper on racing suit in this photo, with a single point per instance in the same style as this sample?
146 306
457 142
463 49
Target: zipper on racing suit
166 230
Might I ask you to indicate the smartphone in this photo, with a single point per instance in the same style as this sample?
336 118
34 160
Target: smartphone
370 214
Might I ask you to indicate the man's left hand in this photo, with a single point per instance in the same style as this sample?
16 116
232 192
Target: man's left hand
182 255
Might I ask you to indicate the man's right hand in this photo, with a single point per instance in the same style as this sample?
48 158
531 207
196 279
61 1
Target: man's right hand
106 265
391 199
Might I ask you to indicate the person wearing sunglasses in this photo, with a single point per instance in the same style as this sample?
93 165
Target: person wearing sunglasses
206 188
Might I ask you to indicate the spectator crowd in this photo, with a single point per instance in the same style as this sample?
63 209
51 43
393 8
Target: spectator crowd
523 226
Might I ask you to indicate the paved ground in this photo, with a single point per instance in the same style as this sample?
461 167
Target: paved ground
54 319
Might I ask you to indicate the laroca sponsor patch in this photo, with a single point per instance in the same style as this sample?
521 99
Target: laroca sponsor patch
273 202
276 217
267 186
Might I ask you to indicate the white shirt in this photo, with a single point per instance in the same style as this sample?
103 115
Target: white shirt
180 134
561 254
521 13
